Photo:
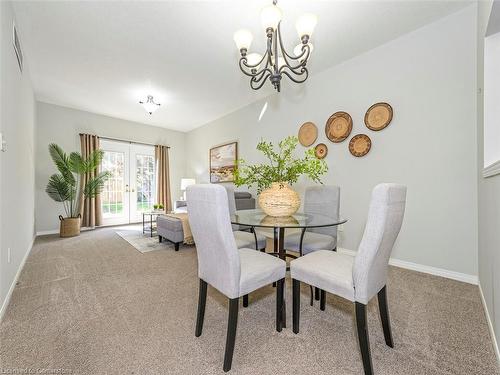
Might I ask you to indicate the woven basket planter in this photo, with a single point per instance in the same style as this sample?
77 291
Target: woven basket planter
279 200
70 226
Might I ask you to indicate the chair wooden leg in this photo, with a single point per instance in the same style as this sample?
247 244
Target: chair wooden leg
364 342
245 300
202 301
312 295
296 305
316 294
231 333
279 304
322 300
160 238
177 246
384 316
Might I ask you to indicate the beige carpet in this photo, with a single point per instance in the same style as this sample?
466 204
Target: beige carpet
142 242
95 305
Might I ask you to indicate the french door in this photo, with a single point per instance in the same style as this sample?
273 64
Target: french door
130 190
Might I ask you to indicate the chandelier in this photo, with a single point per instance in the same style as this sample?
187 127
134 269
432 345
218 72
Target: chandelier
276 61
149 105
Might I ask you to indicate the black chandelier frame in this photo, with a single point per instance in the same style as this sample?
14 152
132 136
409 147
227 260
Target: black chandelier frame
294 67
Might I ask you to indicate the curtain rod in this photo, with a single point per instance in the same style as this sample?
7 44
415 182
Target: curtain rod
127 141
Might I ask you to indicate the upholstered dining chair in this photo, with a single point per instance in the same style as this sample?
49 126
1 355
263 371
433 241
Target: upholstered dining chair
323 200
233 272
244 239
358 278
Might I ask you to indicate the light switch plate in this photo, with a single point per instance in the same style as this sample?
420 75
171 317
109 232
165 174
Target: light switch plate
3 143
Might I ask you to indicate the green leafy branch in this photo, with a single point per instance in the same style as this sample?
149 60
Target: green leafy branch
282 166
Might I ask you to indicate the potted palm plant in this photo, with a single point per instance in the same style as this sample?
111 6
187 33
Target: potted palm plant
67 186
273 179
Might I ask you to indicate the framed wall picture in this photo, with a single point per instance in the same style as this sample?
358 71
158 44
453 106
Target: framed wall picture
17 47
223 162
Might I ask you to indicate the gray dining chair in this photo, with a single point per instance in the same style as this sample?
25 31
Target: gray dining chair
244 238
322 200
233 272
358 278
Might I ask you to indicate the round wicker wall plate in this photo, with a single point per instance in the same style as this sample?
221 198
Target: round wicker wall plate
378 116
308 133
338 126
321 150
360 145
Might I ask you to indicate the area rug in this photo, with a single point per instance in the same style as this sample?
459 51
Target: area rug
142 242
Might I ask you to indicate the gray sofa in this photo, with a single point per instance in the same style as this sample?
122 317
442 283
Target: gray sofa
244 200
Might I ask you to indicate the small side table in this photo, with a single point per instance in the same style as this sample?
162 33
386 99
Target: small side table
150 226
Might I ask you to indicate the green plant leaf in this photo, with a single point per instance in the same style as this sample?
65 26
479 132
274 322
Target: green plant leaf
282 167
95 185
76 163
62 163
58 189
93 160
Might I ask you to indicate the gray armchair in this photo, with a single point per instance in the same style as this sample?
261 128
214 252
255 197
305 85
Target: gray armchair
233 272
358 278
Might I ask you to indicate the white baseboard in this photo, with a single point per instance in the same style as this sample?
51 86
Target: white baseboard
490 324
56 231
14 282
466 278
46 232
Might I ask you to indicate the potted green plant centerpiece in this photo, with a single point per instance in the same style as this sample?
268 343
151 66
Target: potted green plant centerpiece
67 187
273 179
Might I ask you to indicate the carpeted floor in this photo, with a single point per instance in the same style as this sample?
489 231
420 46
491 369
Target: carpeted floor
95 305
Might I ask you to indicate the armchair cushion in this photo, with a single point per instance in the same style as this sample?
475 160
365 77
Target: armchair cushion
259 269
327 270
312 242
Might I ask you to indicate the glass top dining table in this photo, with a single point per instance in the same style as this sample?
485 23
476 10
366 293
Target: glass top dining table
257 218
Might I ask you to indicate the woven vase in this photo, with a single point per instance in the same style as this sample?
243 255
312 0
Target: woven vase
279 200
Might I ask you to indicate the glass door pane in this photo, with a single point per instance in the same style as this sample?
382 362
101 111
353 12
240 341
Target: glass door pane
143 194
115 194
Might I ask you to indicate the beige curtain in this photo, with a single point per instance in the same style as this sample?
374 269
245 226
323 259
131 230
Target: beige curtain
90 208
163 177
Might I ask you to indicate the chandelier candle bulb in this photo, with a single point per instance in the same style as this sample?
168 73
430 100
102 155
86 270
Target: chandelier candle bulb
243 39
305 26
253 59
270 17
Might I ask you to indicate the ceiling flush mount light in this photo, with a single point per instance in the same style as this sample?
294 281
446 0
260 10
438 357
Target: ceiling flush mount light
149 105
276 62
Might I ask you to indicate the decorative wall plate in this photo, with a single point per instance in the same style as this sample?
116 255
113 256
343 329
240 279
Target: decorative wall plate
321 150
378 116
360 145
338 127
308 133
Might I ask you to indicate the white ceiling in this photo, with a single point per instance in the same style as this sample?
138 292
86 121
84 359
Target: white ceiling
104 57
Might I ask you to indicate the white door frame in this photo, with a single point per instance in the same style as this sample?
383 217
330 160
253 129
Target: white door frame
125 185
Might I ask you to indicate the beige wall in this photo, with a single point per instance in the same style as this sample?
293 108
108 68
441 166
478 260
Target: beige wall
429 77
62 125
17 165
